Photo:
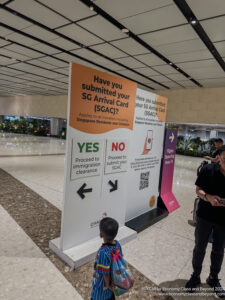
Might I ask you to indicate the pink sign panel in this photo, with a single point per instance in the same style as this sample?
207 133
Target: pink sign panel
168 169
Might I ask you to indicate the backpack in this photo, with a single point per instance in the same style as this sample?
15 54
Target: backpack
121 278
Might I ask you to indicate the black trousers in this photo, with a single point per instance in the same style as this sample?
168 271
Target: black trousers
202 232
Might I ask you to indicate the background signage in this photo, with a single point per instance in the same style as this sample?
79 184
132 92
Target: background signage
168 170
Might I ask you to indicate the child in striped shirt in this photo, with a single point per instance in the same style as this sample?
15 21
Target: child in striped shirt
101 285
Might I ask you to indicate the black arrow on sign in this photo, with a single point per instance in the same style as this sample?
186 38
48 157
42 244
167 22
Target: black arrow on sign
113 185
82 190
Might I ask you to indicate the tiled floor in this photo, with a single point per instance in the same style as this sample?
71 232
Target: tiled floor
43 174
41 222
26 273
163 252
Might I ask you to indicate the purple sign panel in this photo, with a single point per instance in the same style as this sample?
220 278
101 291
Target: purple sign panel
168 170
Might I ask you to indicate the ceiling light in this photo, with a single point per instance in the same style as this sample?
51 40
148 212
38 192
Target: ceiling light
193 21
91 7
125 30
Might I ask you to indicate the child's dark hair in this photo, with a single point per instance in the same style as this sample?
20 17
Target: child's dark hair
109 228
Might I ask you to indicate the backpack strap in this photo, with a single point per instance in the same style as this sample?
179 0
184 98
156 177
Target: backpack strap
112 252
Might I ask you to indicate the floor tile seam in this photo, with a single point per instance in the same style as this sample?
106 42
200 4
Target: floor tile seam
23 180
139 269
189 239
25 257
185 264
30 155
42 185
27 141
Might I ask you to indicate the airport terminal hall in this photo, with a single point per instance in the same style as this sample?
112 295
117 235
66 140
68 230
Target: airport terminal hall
112 149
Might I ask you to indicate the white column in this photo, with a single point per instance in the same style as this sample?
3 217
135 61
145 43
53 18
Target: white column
213 134
54 127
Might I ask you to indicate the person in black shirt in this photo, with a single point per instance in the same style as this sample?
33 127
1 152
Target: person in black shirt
218 143
210 187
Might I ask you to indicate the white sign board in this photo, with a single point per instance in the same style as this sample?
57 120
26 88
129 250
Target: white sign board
146 152
100 122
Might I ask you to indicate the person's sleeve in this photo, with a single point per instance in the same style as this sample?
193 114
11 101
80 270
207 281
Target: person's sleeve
215 153
202 179
103 263
121 252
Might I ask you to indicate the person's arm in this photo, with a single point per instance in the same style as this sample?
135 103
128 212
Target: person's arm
212 159
212 199
207 157
107 281
216 159
103 267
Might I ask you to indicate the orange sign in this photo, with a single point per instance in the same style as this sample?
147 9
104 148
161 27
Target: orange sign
100 102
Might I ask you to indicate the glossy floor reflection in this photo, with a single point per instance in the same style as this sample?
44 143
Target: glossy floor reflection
23 145
162 252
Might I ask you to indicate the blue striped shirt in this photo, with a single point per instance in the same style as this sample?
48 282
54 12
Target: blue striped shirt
102 266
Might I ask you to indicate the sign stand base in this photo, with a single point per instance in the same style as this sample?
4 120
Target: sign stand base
86 252
147 219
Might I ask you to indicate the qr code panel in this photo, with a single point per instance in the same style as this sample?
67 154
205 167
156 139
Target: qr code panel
144 180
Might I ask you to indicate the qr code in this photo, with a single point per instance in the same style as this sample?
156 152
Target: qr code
144 180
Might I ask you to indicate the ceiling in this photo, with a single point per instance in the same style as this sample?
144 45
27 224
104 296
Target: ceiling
161 44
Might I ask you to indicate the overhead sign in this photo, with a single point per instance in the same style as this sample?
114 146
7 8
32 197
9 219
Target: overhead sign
100 121
168 169
146 152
